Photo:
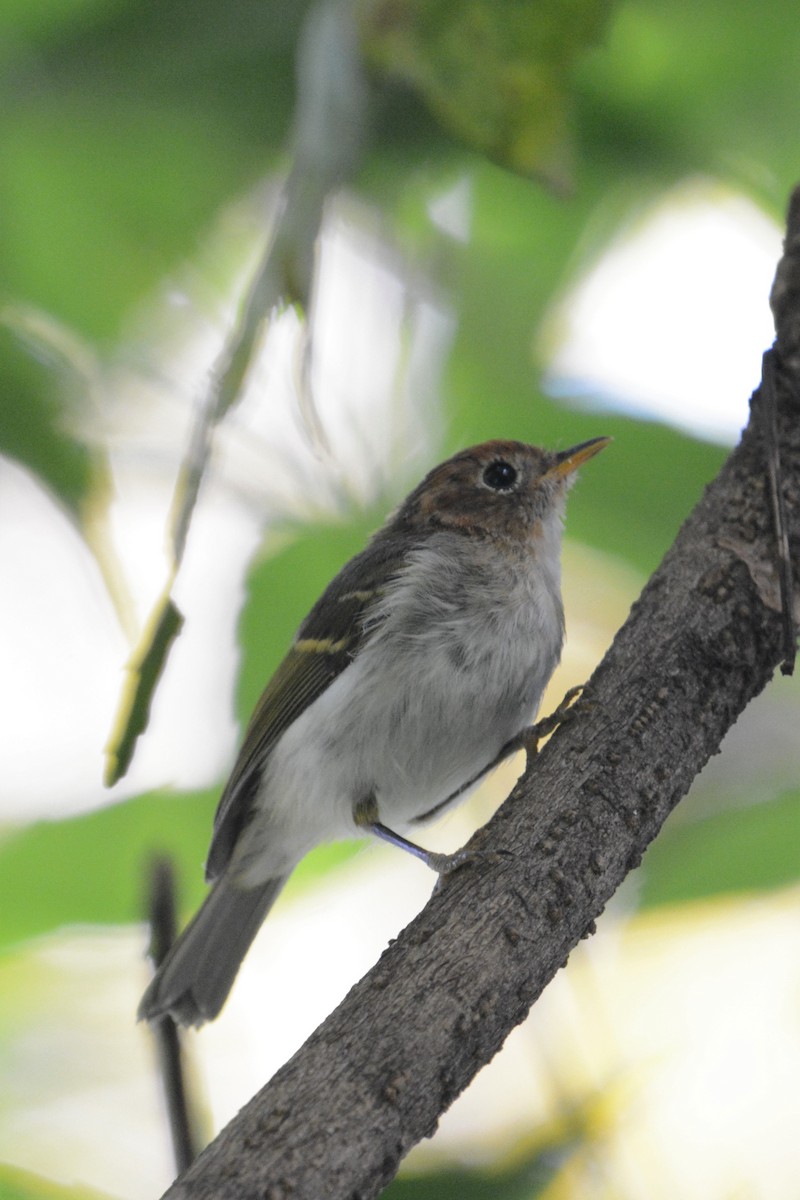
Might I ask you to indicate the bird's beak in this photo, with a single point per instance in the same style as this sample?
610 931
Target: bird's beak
569 460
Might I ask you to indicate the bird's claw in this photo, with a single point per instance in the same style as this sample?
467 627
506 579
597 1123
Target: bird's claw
446 864
575 701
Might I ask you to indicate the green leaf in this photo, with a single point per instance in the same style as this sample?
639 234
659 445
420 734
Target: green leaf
741 850
494 72
93 868
33 425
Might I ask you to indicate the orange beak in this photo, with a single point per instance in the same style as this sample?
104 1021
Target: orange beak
569 460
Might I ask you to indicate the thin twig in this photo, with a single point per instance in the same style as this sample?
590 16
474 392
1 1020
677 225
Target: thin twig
161 914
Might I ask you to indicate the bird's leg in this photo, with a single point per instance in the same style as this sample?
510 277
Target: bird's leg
528 739
365 815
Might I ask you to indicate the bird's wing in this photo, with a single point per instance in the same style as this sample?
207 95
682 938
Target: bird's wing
325 644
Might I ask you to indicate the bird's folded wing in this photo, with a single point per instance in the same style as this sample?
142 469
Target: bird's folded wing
324 646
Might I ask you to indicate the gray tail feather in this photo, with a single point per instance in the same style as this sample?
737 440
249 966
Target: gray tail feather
193 982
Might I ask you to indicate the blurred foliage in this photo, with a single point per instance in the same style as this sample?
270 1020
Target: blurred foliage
734 850
24 1185
494 72
520 1183
94 868
125 128
33 424
527 1172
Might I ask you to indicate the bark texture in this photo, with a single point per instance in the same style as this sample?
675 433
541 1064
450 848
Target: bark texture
703 639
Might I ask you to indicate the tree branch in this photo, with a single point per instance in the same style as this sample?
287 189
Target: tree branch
703 639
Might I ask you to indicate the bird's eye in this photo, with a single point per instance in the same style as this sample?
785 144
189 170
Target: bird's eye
500 476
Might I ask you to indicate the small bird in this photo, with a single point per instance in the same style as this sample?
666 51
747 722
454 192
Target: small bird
412 676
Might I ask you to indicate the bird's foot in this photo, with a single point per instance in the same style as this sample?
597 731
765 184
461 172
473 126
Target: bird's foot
446 864
528 739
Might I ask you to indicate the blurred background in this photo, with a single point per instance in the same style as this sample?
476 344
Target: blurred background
262 264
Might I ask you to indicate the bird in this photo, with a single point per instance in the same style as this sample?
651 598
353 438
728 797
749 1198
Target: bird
419 668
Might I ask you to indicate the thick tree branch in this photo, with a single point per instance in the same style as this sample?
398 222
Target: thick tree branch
703 639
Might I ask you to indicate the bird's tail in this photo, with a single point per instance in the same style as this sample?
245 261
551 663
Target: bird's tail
194 979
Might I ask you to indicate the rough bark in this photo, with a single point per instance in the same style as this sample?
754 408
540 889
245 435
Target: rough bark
703 639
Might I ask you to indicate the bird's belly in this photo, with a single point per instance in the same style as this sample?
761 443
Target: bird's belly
439 733
409 737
